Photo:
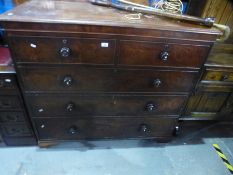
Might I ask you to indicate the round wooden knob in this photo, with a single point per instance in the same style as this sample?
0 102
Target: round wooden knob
164 56
65 52
144 128
224 77
73 130
68 80
70 107
150 107
157 82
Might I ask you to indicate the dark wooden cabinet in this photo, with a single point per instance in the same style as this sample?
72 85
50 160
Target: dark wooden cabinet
213 97
15 126
98 75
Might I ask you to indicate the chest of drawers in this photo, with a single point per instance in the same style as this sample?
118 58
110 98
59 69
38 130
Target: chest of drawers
15 126
93 74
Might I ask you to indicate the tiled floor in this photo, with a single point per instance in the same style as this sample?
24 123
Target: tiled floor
190 154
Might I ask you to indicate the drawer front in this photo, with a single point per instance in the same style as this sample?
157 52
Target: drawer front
206 102
160 54
218 76
63 50
106 80
107 105
7 82
72 129
15 130
10 102
11 117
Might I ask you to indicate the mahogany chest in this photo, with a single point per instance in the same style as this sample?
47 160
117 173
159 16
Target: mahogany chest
90 72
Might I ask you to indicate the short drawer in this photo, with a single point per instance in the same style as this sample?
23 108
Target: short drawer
13 130
106 80
218 76
6 117
7 82
63 50
43 105
10 103
160 54
72 129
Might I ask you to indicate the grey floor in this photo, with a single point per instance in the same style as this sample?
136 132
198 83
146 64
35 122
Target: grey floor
189 154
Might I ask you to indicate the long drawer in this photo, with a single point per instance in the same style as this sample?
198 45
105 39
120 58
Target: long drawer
161 54
47 105
72 129
63 50
91 79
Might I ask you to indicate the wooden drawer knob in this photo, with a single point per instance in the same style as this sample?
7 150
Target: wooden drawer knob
70 107
224 77
144 128
164 55
68 80
157 82
73 130
65 52
150 107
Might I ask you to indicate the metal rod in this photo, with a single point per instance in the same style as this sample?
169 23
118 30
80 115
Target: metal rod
134 7
152 11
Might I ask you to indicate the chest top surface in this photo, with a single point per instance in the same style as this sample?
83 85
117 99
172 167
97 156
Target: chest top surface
83 12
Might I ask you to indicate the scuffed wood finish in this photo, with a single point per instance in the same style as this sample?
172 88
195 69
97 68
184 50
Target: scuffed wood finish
84 13
105 80
83 17
49 50
104 105
207 102
150 54
87 72
73 129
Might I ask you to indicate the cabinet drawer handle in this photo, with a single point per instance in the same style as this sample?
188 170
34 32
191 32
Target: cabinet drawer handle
143 128
68 80
5 82
65 52
73 130
70 107
157 82
164 55
150 107
224 77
